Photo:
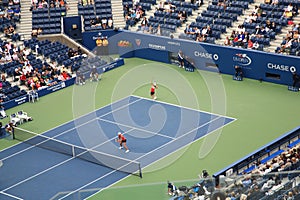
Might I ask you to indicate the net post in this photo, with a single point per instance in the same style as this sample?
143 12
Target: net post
140 171
13 132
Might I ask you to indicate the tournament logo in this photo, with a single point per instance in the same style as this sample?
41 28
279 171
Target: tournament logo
124 43
242 59
138 42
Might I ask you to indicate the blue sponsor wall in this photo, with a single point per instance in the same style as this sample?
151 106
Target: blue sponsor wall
258 65
89 39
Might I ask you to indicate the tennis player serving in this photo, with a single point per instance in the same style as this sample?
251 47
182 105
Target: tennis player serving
152 90
122 141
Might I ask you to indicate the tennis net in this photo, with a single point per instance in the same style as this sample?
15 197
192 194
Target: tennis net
90 155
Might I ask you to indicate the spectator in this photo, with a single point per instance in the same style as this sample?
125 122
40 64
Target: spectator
296 79
171 189
94 74
188 29
249 44
104 23
255 45
144 23
110 23
268 185
289 196
34 33
80 79
79 51
70 53
2 113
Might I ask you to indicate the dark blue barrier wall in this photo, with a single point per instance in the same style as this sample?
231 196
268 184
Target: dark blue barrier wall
258 65
152 54
72 27
264 151
56 87
23 99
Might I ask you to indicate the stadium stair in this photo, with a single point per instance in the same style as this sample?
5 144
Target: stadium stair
25 27
73 8
117 12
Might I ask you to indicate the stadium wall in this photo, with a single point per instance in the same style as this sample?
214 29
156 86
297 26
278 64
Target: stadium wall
263 154
257 65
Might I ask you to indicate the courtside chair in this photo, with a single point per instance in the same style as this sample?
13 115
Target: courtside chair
15 119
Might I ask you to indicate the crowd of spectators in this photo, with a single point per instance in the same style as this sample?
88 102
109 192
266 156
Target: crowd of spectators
37 31
36 4
272 179
104 23
10 52
35 78
133 15
8 18
85 2
166 6
265 179
291 40
201 34
146 27
242 38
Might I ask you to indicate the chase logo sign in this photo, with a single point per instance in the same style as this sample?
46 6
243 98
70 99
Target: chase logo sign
242 59
281 67
206 55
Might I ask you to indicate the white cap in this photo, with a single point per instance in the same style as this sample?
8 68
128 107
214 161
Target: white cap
119 133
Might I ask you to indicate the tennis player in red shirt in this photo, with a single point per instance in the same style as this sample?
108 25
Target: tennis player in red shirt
122 140
152 90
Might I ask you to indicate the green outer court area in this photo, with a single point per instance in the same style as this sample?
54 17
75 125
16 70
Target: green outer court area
264 111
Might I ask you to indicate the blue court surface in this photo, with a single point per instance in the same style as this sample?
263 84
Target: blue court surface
153 130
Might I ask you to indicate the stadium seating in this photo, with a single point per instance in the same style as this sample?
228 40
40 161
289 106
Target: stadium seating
48 19
101 9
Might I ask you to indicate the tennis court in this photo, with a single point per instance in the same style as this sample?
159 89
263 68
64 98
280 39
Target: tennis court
153 129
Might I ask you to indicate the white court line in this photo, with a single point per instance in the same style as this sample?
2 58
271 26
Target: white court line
28 148
157 160
136 128
72 120
146 155
61 134
179 106
102 144
87 122
54 166
42 172
10 195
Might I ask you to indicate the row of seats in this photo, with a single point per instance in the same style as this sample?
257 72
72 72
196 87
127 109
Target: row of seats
210 40
48 19
219 17
101 9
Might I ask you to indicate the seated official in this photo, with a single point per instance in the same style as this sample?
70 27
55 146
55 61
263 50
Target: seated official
171 189
94 74
296 79
238 71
